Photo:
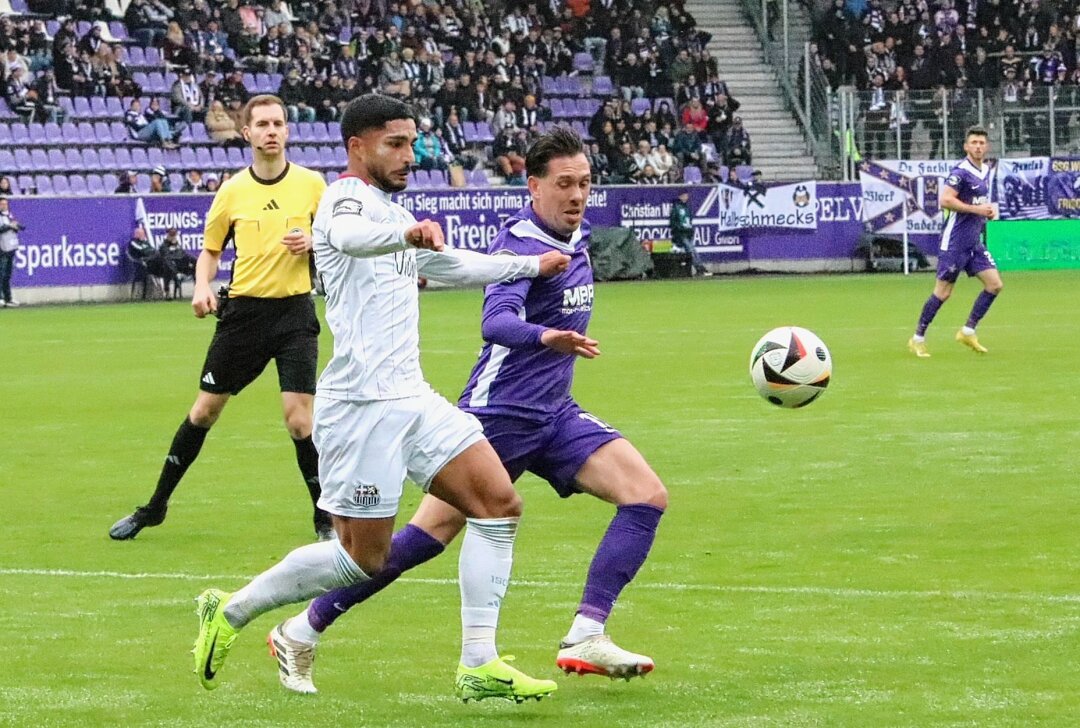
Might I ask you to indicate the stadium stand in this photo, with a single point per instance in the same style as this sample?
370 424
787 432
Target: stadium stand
488 82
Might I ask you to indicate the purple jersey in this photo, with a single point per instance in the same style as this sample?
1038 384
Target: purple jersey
963 230
516 374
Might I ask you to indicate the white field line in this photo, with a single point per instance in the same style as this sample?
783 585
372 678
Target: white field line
829 592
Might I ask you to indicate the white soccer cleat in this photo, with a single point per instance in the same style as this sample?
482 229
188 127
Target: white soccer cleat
295 661
600 656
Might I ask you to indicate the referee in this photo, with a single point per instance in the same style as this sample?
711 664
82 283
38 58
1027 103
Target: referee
265 211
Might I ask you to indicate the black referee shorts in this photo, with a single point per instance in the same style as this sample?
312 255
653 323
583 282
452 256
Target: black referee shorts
251 332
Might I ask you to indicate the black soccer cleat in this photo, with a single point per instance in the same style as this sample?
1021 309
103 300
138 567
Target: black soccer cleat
128 527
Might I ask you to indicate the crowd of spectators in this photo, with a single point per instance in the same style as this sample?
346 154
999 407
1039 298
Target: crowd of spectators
456 61
912 57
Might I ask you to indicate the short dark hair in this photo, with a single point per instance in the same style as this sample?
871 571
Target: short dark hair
976 131
262 100
559 142
371 111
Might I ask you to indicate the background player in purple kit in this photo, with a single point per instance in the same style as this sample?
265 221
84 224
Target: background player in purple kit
520 390
966 196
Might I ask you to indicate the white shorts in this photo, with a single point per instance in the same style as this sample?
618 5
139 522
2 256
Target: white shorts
368 449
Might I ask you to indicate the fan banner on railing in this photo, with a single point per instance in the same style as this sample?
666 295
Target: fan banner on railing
1020 188
1063 188
899 193
780 207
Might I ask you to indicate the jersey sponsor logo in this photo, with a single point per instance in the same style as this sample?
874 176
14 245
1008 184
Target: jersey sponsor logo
578 298
208 378
272 205
347 206
366 495
405 264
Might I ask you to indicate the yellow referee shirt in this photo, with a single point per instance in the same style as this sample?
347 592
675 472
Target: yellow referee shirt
255 214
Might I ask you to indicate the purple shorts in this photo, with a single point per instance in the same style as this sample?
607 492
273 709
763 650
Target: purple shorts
972 261
554 449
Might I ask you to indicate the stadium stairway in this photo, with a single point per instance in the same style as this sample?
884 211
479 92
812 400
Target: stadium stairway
779 148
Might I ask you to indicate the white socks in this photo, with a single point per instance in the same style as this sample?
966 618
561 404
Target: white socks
967 330
582 629
304 573
299 629
918 339
483 574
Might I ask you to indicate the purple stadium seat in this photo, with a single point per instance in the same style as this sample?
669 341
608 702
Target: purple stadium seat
744 172
53 133
333 157
219 157
117 30
135 56
51 26
139 159
275 82
142 184
97 107
294 131
82 107
37 133
263 85
547 85
99 160
5 135
333 131
83 27
153 56
73 160
155 84
114 108
39 160
583 108
94 185
176 181
563 86
640 106
245 156
582 130
44 184
479 178
320 132
67 106
602 86
70 133
109 182
86 133
468 130
173 163
188 159
692 175
557 109
7 160
101 131
60 185
26 184
723 171
155 156
584 62
20 134
576 86
411 180
304 131
198 133
236 157
249 80
118 133
78 184
6 112
140 78
484 135
23 161
123 159
203 159
331 176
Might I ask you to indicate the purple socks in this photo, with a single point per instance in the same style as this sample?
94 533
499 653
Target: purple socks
929 311
982 305
621 553
410 547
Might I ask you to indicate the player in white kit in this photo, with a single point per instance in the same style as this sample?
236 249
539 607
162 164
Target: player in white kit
377 422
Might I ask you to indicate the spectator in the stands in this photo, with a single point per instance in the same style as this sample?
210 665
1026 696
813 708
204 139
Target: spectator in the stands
667 166
509 152
159 180
687 145
126 183
392 79
193 181
212 183
294 95
505 117
147 21
633 77
152 131
598 163
234 87
664 115
427 148
737 144
221 128
188 102
91 41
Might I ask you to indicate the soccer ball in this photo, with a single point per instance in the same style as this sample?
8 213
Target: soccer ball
790 366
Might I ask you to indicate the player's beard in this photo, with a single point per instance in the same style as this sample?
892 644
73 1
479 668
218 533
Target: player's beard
386 183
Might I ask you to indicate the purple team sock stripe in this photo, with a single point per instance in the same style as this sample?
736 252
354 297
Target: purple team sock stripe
982 305
410 547
929 311
621 553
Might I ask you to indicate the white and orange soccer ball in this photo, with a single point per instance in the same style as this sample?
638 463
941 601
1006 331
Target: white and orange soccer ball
790 366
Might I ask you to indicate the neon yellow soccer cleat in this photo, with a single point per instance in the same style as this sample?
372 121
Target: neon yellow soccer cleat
971 341
918 348
216 636
496 679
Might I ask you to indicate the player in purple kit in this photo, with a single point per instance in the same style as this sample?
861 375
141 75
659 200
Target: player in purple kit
966 196
519 389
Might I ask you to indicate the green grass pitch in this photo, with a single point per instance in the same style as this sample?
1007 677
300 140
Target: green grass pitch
903 552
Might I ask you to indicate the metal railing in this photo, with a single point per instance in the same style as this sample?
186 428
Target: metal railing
1021 122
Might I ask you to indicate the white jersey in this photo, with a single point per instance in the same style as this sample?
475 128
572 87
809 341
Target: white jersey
370 274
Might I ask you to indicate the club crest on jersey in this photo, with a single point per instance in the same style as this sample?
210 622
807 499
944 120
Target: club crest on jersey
366 495
347 206
578 298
